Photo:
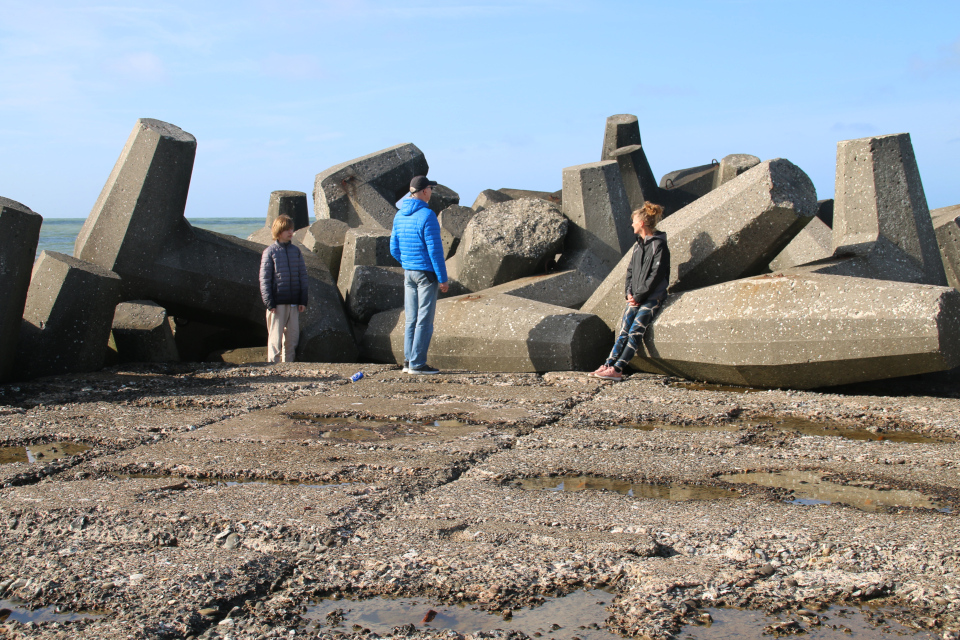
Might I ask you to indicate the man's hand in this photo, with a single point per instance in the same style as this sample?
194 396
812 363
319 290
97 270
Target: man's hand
301 308
444 287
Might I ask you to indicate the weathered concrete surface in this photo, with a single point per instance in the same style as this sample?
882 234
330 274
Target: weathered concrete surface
325 239
814 242
363 246
736 230
570 288
733 165
507 241
453 223
363 191
372 290
141 204
686 185
946 224
247 355
621 130
497 333
489 197
596 203
880 211
137 228
442 197
143 332
289 203
825 211
638 180
556 197
19 234
804 331
67 317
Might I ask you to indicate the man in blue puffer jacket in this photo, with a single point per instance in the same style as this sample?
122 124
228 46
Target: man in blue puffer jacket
415 243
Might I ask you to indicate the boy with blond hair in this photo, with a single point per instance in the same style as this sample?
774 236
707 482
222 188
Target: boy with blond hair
283 287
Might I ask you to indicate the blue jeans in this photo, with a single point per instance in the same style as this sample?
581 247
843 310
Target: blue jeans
630 333
419 306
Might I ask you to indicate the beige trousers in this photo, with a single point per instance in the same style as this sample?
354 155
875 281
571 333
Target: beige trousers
283 326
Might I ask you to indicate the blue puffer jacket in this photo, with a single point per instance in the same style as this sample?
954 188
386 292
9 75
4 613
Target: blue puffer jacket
283 275
415 241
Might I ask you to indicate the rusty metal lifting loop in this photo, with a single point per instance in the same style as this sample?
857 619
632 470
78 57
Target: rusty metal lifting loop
669 183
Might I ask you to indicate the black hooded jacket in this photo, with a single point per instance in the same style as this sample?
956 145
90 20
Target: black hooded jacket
649 271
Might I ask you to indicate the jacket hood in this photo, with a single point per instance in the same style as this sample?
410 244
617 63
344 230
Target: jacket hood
409 206
658 236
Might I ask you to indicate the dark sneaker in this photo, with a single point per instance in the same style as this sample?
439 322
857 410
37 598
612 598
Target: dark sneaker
423 370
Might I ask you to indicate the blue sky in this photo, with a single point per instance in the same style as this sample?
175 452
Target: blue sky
496 94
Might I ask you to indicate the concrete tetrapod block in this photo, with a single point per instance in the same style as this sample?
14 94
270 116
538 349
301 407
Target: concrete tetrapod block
488 198
363 246
137 228
143 332
683 186
288 203
372 290
621 130
569 288
453 223
556 197
505 333
946 224
814 242
805 331
736 230
441 198
733 165
638 180
509 240
880 211
325 239
363 191
596 203
141 203
19 234
67 318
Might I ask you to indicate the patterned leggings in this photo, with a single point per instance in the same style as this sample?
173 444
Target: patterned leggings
632 327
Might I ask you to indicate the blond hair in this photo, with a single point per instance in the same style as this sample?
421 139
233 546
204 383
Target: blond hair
650 214
281 224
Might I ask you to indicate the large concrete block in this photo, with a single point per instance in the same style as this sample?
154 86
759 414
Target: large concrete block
143 332
364 191
686 185
880 210
442 197
325 239
622 130
363 246
372 290
569 288
596 203
805 331
19 234
736 230
478 332
733 165
556 197
946 224
67 317
488 198
138 230
509 240
141 203
453 223
814 242
638 180
288 203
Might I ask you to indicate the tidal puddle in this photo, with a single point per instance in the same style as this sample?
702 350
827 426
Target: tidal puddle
809 427
10 610
833 624
177 482
580 614
42 452
361 430
809 488
690 428
674 491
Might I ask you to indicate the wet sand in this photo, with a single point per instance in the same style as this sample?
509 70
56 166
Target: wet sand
207 501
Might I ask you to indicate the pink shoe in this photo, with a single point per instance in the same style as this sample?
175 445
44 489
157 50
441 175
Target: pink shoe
611 374
599 372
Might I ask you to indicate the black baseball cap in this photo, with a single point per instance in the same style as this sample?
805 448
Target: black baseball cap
419 183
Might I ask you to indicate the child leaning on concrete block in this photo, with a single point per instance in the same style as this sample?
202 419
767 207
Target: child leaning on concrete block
647 277
283 287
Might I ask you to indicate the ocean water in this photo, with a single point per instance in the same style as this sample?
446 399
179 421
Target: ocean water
60 234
